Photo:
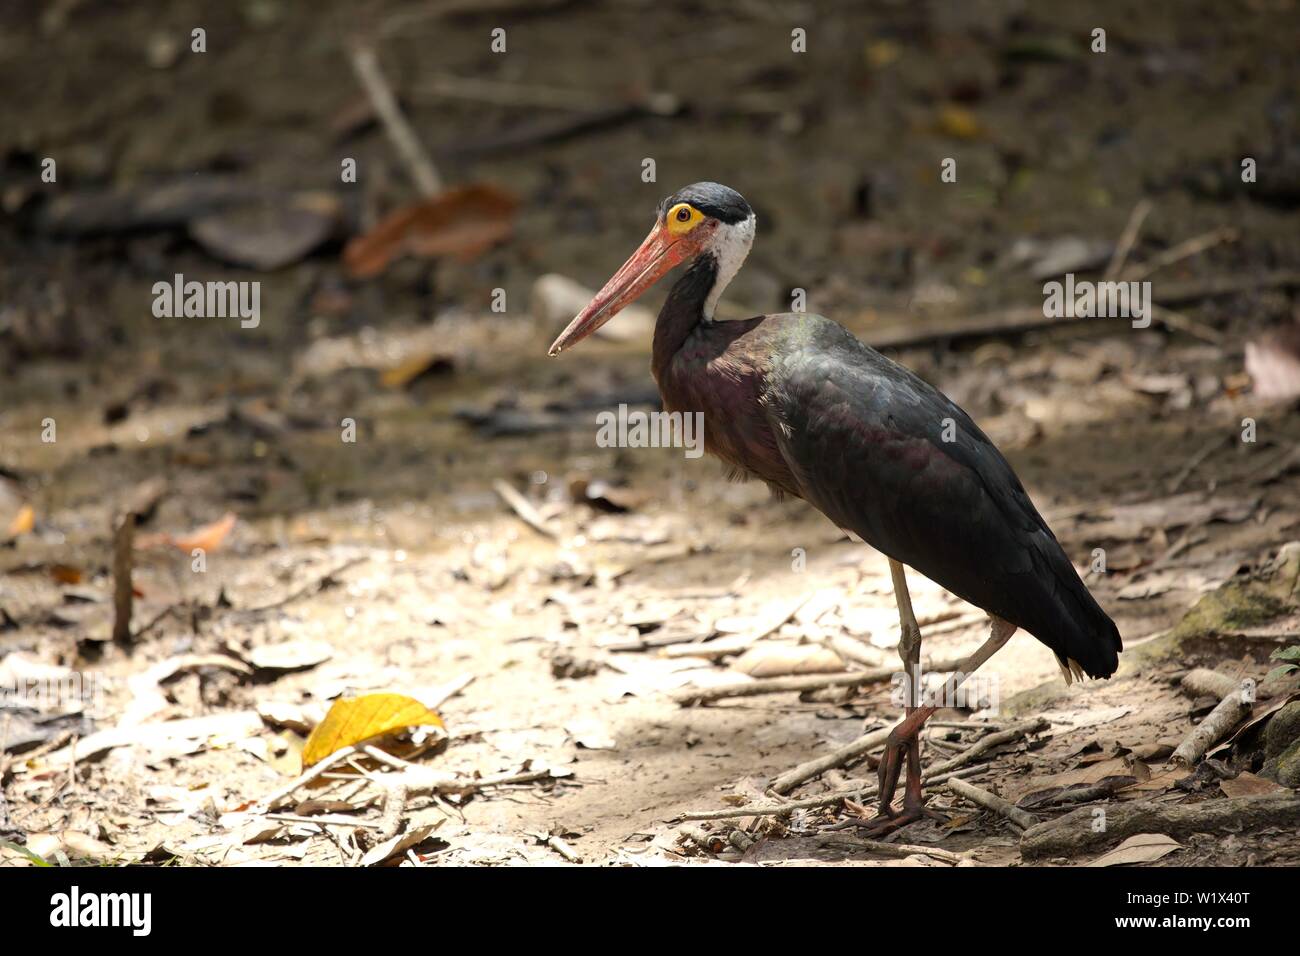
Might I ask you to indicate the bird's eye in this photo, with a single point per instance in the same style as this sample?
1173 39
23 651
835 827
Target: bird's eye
684 214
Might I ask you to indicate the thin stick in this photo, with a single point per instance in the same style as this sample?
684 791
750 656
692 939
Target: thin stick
903 333
1205 452
1128 237
306 778
561 847
447 691
326 819
444 85
864 792
737 643
836 758
311 588
778 685
418 164
1227 714
985 744
991 801
1183 250
898 850
1188 326
986 725
123 591
522 507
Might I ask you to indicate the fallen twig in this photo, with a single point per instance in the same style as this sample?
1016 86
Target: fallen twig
522 507
737 643
560 846
1206 450
1127 238
910 333
266 803
778 685
1188 326
991 801
1183 250
418 164
308 589
836 758
1229 712
864 792
123 590
327 819
897 850
985 744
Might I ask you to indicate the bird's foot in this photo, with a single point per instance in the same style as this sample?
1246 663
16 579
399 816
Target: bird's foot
903 746
887 819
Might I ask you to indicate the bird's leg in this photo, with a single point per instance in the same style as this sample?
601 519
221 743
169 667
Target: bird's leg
909 651
906 737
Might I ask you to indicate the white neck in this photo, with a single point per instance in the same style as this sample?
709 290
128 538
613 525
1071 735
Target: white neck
729 247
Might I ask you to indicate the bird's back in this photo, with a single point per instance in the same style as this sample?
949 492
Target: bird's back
889 457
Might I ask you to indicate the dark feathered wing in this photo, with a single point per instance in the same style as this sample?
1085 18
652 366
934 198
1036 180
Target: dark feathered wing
892 459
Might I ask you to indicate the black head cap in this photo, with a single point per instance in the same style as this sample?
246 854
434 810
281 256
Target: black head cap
713 199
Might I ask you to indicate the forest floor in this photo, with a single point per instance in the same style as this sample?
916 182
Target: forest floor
552 637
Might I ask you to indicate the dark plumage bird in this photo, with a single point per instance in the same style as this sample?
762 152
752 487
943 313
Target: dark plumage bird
797 401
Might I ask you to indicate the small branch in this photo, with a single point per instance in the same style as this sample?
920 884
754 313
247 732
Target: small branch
905 333
561 847
123 590
1195 461
864 792
1183 250
836 758
327 819
1203 682
1127 238
522 507
1188 326
418 164
897 850
307 590
991 801
985 744
266 803
1229 712
779 685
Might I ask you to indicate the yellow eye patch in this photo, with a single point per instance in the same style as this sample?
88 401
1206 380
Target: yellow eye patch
682 218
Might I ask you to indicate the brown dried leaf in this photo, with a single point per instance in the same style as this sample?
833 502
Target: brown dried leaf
1246 784
208 538
1140 848
464 222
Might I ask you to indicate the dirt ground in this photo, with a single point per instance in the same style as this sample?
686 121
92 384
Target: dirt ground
393 564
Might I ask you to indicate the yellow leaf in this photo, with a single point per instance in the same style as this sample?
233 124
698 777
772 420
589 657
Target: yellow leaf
354 719
23 521
959 123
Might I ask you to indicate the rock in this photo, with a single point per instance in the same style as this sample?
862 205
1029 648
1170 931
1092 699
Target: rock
1285 767
1283 729
1282 747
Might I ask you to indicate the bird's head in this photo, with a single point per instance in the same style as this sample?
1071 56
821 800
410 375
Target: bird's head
701 219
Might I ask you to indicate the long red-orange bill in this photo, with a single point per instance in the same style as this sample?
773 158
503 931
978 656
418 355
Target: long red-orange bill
656 256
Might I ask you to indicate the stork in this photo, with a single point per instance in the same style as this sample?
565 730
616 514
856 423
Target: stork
795 400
